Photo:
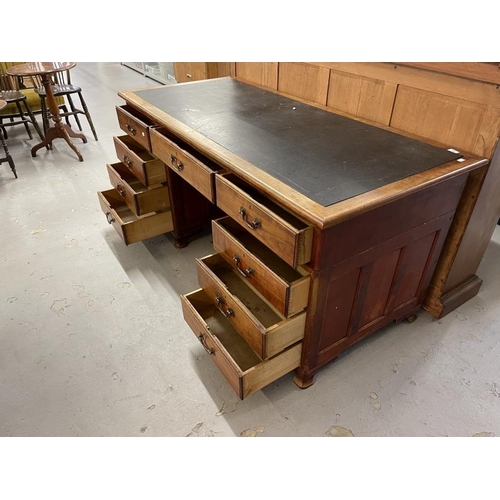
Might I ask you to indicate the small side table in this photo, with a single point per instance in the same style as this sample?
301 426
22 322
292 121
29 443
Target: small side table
7 157
59 129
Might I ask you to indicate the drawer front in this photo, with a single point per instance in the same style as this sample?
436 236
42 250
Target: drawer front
244 371
266 332
140 199
135 125
148 169
286 288
195 172
130 227
284 234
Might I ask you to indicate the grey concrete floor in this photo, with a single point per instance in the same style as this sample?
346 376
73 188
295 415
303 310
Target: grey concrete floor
93 342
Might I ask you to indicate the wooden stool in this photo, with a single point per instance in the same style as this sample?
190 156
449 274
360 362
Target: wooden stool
7 158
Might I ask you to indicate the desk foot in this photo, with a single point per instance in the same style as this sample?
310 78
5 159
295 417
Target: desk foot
63 132
411 318
303 381
181 243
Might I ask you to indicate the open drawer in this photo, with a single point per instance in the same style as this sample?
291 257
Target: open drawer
286 235
188 163
148 169
285 287
130 227
265 330
243 369
140 199
135 124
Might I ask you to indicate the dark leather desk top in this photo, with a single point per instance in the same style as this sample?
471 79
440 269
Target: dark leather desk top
326 157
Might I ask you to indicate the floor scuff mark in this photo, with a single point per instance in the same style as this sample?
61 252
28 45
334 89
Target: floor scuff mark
253 432
59 310
222 410
195 429
338 431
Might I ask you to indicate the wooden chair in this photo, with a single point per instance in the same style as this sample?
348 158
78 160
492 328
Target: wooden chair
63 88
7 157
13 113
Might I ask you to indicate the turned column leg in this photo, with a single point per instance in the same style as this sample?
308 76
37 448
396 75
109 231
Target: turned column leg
58 129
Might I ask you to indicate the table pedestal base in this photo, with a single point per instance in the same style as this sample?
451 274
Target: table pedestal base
62 131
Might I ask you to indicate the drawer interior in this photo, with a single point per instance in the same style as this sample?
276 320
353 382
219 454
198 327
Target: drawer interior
129 177
221 328
257 306
266 202
116 202
137 115
136 148
261 251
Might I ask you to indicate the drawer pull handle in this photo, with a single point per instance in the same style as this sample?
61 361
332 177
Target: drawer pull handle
255 224
245 272
130 129
109 218
120 189
179 166
203 343
220 302
127 161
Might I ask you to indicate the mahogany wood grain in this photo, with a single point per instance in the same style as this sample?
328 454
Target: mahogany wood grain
148 169
289 237
191 211
140 199
242 368
135 125
286 288
198 172
267 332
368 290
130 227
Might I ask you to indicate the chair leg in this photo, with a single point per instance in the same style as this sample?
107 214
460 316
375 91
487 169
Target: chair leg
33 120
18 105
7 153
4 130
74 111
87 114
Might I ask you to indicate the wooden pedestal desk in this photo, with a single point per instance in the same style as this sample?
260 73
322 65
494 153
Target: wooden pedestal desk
324 228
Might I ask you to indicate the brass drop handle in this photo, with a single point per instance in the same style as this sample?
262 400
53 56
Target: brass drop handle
127 161
220 302
245 272
255 224
130 129
120 189
179 165
201 338
109 218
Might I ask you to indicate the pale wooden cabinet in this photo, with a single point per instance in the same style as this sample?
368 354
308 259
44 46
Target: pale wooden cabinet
192 71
